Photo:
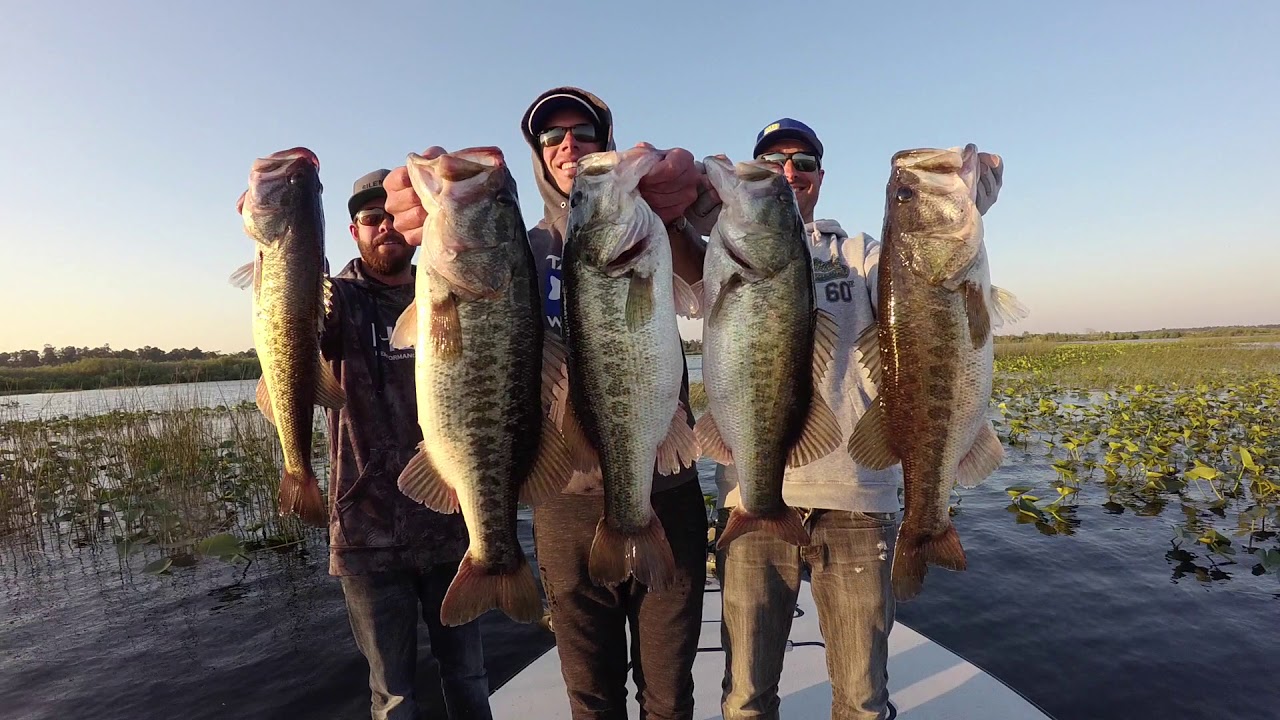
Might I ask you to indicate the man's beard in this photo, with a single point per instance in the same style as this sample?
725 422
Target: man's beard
384 264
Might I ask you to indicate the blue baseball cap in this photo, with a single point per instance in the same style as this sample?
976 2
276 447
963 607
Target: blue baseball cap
784 129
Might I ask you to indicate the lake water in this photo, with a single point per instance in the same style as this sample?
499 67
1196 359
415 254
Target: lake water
1097 625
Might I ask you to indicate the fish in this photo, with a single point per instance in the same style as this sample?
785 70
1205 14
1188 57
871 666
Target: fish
283 212
766 347
621 415
930 356
483 406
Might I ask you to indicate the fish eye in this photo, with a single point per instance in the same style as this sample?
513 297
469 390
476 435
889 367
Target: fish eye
905 194
575 199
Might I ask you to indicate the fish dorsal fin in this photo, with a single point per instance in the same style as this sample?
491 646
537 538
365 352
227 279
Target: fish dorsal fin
679 449
421 483
711 441
869 353
869 443
263 397
826 335
820 436
551 468
329 392
555 376
983 458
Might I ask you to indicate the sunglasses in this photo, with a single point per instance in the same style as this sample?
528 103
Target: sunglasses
553 136
372 217
803 161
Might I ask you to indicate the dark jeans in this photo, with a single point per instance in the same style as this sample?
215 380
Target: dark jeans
384 609
849 559
590 621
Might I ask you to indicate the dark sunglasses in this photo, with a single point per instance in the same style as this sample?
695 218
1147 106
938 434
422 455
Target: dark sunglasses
803 161
372 217
553 136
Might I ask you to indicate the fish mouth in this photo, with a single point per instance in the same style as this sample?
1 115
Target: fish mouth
285 163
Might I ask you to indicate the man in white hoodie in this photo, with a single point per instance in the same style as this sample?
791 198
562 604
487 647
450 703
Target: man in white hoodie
851 512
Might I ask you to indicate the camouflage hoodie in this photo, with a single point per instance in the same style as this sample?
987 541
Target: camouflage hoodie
373 527
547 241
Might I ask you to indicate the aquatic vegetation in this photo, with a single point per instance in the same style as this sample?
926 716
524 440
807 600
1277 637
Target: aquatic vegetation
165 487
1142 427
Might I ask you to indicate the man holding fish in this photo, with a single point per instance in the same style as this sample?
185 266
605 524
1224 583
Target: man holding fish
624 545
824 513
394 558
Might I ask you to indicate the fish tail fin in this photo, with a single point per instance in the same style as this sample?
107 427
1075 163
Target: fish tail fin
784 525
916 552
475 590
646 555
300 495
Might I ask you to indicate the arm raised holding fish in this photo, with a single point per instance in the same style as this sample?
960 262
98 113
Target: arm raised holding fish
630 530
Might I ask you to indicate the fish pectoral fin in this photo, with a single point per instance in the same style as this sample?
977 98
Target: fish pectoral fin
1005 307
243 276
819 437
869 442
826 335
551 470
869 352
732 283
405 334
679 449
710 441
422 484
446 327
982 459
329 393
263 398
700 293
688 300
975 305
639 301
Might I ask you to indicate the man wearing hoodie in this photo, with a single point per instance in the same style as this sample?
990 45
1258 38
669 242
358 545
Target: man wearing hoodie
394 557
591 622
849 511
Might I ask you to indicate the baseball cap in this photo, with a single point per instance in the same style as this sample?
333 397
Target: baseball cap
785 129
557 100
368 187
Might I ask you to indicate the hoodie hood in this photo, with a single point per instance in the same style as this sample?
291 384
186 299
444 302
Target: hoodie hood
555 204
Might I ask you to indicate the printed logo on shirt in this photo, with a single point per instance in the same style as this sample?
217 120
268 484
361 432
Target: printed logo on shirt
828 270
552 298
386 351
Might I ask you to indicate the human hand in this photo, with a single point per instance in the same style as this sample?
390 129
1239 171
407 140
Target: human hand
671 186
990 178
403 202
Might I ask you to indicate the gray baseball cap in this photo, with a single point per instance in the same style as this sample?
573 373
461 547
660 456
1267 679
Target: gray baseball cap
365 189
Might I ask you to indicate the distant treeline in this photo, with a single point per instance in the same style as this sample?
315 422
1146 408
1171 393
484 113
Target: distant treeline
72 368
693 346
1162 334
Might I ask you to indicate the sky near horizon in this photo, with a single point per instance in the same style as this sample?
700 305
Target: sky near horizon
1138 136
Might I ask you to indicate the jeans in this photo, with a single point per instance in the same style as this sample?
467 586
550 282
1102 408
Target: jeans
849 558
384 609
590 622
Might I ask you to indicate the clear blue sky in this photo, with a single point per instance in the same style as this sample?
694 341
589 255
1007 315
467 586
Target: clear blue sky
1140 137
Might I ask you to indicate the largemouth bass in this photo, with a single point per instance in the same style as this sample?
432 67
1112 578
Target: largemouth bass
477 324
625 361
932 355
283 213
765 348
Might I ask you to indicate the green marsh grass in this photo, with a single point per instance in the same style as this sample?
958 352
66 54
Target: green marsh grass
166 486
1188 426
